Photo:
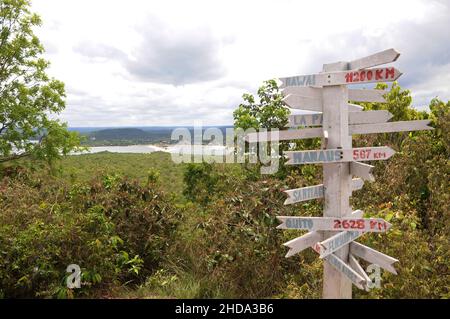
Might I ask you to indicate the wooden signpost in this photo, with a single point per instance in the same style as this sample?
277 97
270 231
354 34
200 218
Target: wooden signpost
336 119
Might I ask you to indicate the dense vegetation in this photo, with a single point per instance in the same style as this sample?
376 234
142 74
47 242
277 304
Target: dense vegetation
142 226
139 225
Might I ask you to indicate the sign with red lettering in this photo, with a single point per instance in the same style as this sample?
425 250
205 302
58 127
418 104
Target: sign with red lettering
339 155
376 225
343 77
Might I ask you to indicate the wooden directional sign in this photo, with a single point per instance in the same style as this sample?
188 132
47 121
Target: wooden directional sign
284 135
312 192
334 224
365 117
333 243
383 57
379 58
312 104
303 103
369 117
363 95
338 155
400 126
373 256
300 243
389 127
357 267
356 95
343 77
326 92
362 170
350 273
308 240
368 128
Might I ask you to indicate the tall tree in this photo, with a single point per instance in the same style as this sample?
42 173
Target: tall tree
269 113
28 96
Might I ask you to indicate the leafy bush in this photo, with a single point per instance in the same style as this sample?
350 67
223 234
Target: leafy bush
113 228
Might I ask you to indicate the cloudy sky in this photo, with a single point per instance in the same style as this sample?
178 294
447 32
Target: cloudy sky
143 63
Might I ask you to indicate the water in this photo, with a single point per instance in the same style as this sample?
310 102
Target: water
145 149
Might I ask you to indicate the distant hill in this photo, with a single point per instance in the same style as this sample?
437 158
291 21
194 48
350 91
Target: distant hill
96 136
119 134
127 136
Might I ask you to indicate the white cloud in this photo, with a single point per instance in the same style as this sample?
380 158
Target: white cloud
173 62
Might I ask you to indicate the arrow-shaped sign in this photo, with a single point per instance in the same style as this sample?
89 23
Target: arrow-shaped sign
284 135
383 57
300 243
365 117
362 170
339 155
343 77
370 128
303 103
376 225
341 266
312 192
357 267
356 95
366 95
308 240
373 256
333 243
390 127
312 104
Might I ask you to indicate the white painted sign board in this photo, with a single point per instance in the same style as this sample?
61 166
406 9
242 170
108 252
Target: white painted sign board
364 117
339 156
298 244
362 170
356 95
313 192
345 269
376 225
373 256
390 127
353 129
353 262
343 77
333 243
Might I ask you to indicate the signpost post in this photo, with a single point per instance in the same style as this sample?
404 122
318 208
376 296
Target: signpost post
336 119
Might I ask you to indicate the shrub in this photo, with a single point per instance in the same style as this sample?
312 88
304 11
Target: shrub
113 228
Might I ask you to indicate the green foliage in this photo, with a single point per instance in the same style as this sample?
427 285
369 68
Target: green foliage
27 95
227 245
243 256
200 182
143 167
116 230
269 113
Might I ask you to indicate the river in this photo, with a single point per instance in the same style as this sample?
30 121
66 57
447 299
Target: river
143 149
